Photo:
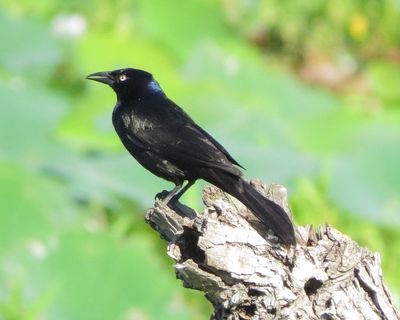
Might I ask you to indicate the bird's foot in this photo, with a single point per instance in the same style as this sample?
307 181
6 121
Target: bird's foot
165 197
175 205
161 195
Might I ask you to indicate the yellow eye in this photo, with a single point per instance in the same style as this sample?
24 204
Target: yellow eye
122 77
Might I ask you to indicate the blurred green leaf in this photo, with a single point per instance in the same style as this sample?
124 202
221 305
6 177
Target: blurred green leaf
27 121
30 49
22 190
180 33
108 178
385 77
365 180
100 276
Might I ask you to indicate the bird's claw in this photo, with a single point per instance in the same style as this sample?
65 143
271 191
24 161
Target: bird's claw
161 195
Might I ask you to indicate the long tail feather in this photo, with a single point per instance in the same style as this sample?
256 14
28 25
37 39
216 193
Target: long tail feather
268 212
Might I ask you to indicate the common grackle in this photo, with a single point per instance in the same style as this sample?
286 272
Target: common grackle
167 142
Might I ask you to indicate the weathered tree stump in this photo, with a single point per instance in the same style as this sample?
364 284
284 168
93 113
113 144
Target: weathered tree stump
247 274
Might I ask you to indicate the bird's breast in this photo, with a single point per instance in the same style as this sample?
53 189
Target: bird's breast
139 124
126 120
129 120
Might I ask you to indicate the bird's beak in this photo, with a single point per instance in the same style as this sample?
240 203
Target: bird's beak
104 77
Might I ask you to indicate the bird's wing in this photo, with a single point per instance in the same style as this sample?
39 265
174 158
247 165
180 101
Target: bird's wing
219 146
173 135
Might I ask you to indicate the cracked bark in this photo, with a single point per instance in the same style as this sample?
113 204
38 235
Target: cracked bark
245 273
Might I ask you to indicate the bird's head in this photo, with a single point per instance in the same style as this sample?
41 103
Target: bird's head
127 83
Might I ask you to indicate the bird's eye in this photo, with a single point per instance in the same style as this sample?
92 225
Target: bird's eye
122 77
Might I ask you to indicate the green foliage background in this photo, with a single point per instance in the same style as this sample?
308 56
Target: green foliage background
73 244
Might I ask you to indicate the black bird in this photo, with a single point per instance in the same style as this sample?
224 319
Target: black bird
167 142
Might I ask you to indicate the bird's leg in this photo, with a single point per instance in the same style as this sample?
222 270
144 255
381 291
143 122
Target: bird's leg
171 193
183 190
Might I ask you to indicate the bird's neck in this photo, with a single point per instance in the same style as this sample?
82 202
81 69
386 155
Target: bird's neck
150 90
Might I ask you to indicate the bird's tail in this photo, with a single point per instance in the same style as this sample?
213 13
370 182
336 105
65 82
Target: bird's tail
268 212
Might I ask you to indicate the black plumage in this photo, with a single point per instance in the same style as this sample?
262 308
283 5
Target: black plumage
167 142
